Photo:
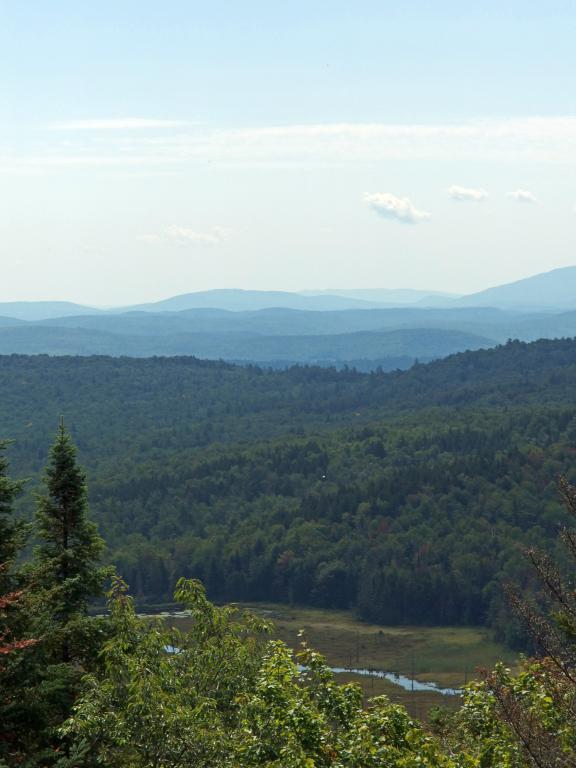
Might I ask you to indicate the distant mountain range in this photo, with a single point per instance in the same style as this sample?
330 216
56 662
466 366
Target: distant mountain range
388 296
42 310
326 349
552 291
369 328
236 300
549 291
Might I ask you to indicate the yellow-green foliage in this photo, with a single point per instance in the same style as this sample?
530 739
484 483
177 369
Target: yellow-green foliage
224 694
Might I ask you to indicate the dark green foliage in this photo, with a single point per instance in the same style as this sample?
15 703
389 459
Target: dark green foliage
62 579
14 639
533 710
412 525
12 531
126 692
67 556
403 494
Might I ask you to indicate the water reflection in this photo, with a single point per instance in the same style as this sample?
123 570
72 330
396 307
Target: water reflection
408 683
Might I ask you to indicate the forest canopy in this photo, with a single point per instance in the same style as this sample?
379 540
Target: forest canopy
124 691
403 495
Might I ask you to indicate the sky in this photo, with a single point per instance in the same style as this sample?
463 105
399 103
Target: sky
154 148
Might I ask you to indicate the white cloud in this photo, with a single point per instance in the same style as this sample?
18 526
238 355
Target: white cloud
522 196
114 124
466 194
185 236
390 206
175 144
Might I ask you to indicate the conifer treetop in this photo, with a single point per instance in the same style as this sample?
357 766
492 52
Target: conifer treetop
70 548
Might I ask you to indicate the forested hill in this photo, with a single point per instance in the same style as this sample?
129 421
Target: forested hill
404 494
183 402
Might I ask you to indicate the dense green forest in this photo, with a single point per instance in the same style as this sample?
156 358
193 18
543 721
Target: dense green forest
406 495
122 691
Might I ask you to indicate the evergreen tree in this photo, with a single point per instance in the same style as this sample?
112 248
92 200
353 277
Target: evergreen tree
63 578
66 568
13 621
12 531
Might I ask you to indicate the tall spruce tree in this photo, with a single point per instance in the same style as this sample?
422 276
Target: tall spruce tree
66 568
62 579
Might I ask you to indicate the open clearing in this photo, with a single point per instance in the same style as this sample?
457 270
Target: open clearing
448 656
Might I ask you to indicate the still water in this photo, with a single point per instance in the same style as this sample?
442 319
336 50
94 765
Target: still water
408 683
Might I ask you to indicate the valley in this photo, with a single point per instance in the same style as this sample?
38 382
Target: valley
403 496
448 657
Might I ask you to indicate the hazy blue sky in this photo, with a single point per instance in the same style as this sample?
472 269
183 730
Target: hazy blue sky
150 148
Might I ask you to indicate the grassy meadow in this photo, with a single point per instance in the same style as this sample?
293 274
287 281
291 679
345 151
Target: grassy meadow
448 656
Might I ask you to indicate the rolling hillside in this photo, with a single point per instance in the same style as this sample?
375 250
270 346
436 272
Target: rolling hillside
334 348
404 495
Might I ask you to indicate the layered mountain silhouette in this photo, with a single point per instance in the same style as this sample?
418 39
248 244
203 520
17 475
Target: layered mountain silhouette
42 310
282 328
549 291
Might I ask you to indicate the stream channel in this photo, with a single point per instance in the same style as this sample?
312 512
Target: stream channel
408 683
